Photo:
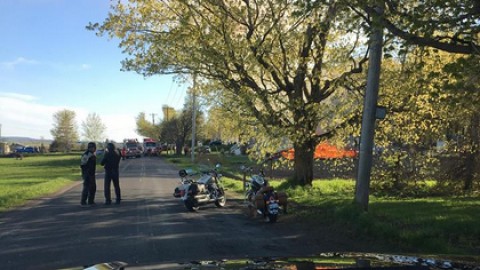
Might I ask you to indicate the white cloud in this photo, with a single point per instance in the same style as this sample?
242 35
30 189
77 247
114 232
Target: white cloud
120 126
15 96
16 62
11 65
21 115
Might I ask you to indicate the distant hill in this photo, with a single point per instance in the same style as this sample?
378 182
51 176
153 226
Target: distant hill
24 140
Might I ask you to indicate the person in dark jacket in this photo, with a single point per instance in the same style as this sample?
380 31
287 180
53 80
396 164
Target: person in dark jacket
111 161
88 165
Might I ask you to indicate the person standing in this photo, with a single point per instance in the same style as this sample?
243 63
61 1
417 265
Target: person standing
88 165
124 153
111 161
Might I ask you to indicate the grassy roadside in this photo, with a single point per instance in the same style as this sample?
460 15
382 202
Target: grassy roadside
429 225
35 176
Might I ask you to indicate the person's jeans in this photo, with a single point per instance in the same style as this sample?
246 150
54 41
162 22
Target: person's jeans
112 176
89 189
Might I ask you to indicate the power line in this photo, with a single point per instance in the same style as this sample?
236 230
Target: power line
179 101
174 101
169 91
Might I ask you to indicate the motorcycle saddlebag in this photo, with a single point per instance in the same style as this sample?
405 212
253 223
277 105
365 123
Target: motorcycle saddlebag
193 188
259 201
176 193
282 198
197 188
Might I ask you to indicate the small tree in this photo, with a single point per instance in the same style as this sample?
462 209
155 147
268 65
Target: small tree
93 128
64 130
179 128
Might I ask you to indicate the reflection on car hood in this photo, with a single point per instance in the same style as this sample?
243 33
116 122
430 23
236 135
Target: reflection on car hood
321 261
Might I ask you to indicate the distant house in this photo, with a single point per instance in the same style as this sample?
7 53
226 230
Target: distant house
4 148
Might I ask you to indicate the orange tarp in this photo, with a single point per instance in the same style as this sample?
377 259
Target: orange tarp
323 151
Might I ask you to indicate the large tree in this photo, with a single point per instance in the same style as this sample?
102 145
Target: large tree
283 60
64 129
93 129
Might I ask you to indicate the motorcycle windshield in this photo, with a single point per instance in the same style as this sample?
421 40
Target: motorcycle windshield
204 179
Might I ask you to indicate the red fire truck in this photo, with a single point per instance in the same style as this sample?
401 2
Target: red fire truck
150 147
132 147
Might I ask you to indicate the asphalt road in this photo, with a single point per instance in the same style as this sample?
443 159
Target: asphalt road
149 227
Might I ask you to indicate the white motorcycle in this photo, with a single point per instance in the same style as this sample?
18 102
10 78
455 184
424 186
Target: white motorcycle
206 189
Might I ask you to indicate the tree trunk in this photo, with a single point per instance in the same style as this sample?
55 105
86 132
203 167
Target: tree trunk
303 168
179 146
472 154
469 171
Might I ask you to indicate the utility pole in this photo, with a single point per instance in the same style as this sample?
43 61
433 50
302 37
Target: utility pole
194 116
153 117
362 187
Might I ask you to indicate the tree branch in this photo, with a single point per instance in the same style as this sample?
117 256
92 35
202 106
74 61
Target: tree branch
471 48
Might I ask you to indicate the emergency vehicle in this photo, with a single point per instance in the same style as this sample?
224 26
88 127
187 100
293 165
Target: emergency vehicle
150 147
133 148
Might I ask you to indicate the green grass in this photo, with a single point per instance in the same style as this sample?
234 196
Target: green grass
445 225
429 225
35 176
441 225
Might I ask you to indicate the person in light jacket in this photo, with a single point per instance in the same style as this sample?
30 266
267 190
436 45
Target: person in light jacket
88 164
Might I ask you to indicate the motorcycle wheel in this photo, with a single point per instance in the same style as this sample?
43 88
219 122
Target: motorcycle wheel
272 218
191 204
223 199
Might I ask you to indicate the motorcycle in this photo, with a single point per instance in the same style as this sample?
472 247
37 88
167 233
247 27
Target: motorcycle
261 198
206 189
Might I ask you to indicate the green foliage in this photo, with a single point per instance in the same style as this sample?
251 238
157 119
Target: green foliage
446 25
93 129
178 128
64 130
288 71
146 128
423 96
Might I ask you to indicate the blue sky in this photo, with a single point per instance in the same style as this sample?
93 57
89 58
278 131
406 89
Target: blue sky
50 62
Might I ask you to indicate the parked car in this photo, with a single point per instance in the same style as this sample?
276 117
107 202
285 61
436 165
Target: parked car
27 149
215 143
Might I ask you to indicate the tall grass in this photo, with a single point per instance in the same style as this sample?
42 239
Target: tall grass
35 176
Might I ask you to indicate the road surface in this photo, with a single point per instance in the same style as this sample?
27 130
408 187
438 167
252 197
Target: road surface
150 226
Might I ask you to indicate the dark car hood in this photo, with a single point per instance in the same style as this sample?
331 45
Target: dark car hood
321 261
